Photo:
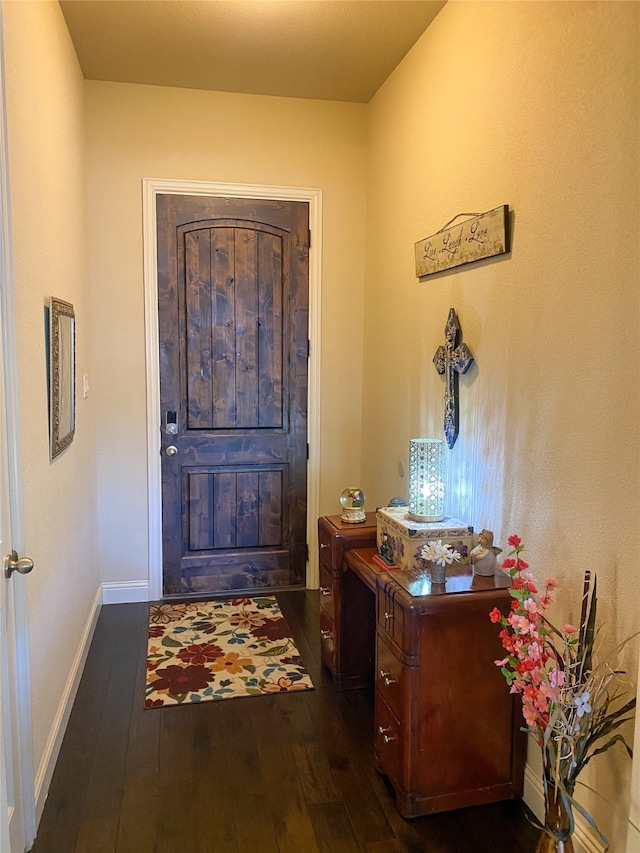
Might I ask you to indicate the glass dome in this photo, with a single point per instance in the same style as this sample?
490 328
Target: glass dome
352 498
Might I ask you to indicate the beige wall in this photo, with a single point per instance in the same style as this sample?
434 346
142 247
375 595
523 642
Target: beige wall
535 105
47 176
136 132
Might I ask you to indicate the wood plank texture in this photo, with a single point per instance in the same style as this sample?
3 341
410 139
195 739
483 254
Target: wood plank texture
199 344
223 310
233 329
234 508
271 337
273 774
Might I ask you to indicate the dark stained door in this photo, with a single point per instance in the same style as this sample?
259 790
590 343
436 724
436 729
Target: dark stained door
233 320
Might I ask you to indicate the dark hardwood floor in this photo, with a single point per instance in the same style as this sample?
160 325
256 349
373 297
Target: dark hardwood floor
290 773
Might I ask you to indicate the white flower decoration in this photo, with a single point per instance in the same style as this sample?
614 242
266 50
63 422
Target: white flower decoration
439 553
582 703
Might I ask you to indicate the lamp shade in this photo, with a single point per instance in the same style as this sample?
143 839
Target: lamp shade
426 479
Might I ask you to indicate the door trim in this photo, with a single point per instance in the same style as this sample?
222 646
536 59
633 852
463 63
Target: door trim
150 189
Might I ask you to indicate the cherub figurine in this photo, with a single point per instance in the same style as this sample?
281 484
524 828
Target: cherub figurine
483 556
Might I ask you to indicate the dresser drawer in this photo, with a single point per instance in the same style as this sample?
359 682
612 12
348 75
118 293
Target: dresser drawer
329 551
335 537
388 741
327 641
391 615
393 680
327 592
326 535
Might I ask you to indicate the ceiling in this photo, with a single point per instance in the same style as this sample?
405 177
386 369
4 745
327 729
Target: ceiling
341 50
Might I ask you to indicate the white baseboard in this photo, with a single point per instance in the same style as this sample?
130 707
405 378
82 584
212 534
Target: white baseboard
125 592
52 748
584 839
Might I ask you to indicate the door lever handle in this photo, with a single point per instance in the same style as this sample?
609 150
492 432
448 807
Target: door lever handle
12 563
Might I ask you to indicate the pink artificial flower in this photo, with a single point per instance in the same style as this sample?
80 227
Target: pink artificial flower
520 646
529 714
520 623
556 678
495 615
530 606
544 694
535 651
569 628
550 583
502 662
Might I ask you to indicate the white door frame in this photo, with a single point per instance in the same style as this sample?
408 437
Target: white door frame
151 188
17 680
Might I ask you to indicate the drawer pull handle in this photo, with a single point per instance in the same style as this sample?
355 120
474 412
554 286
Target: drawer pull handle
323 545
385 737
388 616
325 634
324 590
386 677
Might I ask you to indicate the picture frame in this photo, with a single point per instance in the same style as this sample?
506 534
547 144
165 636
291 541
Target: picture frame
62 375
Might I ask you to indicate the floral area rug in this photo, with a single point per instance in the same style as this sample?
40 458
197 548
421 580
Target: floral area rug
202 652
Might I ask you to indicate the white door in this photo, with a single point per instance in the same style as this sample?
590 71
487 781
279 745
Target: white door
17 807
12 825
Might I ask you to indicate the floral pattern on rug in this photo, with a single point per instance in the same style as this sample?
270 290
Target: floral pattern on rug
202 652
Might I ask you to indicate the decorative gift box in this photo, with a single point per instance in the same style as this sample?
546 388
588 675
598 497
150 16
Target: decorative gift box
406 536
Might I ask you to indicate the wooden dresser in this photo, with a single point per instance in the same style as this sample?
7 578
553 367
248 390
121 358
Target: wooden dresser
447 731
347 606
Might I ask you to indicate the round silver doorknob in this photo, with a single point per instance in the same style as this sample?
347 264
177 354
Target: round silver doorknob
172 450
12 563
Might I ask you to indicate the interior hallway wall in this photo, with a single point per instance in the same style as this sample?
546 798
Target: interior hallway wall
48 211
535 105
136 132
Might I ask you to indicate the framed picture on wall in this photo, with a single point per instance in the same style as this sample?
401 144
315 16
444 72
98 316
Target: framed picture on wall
62 375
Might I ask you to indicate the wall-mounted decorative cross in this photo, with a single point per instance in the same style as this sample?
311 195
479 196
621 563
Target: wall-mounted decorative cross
452 359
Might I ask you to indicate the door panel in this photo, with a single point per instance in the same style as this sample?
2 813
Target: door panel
233 317
233 509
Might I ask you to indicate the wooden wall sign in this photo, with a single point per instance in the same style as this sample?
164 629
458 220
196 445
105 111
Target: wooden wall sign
480 235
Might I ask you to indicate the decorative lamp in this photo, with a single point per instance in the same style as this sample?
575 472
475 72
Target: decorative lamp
426 479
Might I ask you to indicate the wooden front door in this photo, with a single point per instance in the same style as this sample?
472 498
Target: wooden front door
233 286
